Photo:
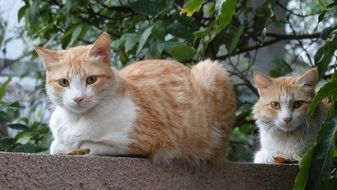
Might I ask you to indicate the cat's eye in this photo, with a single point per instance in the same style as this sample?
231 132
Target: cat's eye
275 105
298 104
91 79
63 82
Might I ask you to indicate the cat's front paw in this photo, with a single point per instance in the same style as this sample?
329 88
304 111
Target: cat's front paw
80 151
58 148
262 157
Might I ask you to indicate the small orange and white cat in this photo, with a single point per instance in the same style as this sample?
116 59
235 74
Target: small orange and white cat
280 116
157 108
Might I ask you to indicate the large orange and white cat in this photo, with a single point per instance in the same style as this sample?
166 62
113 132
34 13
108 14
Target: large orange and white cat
157 108
280 116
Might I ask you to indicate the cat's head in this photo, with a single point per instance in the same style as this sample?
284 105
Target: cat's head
79 78
284 101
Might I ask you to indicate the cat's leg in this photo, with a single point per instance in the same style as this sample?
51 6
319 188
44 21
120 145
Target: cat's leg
262 157
220 154
222 141
57 147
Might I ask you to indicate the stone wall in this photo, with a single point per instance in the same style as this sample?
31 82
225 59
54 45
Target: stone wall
36 171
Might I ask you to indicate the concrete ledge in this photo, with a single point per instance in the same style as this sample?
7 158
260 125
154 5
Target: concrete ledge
36 171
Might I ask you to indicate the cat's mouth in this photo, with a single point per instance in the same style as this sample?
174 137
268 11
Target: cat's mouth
78 108
287 127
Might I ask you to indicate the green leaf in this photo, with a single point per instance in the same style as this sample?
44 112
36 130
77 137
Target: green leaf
37 126
331 5
18 126
180 51
156 48
23 137
28 148
326 32
191 7
262 37
5 117
322 4
131 39
3 87
227 11
327 90
15 104
320 169
66 38
302 175
146 34
180 31
24 120
236 38
321 17
148 7
7 141
263 17
319 54
324 56
46 141
79 32
22 12
281 68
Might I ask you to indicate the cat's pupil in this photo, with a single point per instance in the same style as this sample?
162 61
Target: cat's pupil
91 80
63 82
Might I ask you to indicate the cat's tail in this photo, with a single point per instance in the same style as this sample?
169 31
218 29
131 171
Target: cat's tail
214 89
209 76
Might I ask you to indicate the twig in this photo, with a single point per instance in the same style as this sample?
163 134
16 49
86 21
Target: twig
280 37
296 14
239 74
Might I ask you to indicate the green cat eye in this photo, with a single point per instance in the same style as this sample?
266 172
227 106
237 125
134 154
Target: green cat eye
298 104
91 79
275 105
63 82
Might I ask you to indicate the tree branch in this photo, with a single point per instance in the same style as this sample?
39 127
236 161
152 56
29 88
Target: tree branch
277 38
296 14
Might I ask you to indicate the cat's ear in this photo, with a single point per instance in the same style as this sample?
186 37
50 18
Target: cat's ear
262 81
309 79
49 57
101 48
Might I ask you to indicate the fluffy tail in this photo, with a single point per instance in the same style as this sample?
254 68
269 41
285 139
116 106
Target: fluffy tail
209 76
212 84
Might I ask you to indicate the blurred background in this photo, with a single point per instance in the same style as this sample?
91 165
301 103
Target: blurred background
277 37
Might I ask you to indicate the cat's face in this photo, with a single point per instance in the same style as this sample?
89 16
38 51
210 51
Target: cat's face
79 79
284 101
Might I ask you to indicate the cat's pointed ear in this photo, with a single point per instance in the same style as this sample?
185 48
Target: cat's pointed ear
101 48
262 81
309 79
49 57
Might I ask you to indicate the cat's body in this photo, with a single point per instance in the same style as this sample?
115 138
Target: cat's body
280 116
156 108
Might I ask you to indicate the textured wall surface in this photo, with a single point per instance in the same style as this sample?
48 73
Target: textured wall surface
35 171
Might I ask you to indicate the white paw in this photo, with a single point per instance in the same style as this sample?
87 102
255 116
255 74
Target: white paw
263 157
59 148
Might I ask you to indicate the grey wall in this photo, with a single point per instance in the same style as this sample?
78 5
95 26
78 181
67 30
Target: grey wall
33 171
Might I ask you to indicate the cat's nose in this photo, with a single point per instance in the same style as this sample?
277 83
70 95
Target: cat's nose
287 119
78 100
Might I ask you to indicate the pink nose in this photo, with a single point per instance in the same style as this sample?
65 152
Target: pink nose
287 119
78 100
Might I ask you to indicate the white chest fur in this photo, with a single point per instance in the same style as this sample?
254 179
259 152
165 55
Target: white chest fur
284 144
104 129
